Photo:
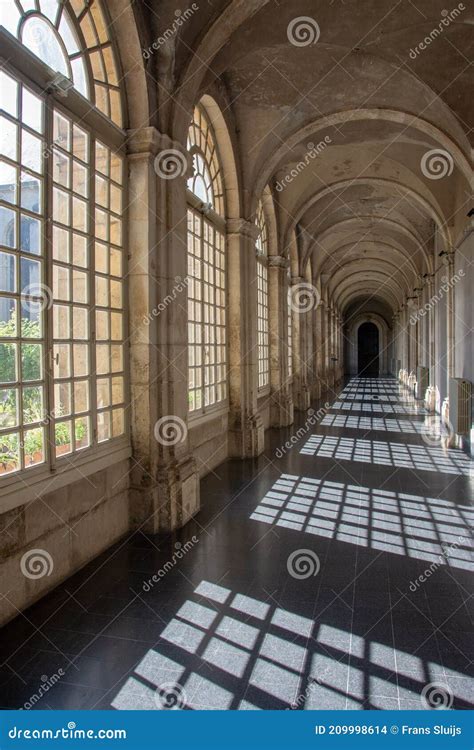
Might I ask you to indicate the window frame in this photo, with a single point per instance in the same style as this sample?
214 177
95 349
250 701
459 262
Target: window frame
218 221
262 278
23 485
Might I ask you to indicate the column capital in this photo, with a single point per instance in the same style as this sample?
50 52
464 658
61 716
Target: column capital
172 159
278 261
244 227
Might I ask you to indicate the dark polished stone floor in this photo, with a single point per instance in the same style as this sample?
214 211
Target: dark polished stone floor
297 585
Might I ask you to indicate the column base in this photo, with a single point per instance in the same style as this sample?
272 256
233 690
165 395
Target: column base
169 502
302 398
282 411
247 440
316 390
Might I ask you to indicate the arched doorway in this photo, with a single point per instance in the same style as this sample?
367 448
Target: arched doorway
368 350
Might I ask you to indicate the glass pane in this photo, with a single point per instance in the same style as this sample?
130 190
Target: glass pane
8 182
31 149
7 227
81 432
34 446
32 111
33 410
9 453
41 39
81 396
8 408
30 192
8 94
8 366
62 438
62 366
8 137
30 235
7 273
8 321
31 361
62 399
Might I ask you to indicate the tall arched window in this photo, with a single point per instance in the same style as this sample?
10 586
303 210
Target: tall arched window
206 270
262 299
290 327
62 372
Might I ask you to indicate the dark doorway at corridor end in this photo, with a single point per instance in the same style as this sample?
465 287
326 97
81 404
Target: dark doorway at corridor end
368 350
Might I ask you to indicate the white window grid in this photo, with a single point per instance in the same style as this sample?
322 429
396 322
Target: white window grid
79 385
207 356
262 301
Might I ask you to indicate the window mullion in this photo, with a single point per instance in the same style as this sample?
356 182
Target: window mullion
92 297
48 280
203 324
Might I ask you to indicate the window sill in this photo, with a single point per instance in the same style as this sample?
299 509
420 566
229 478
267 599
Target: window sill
27 485
208 416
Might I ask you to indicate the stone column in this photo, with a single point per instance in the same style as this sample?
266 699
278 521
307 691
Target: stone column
300 300
448 261
316 355
281 400
164 481
246 430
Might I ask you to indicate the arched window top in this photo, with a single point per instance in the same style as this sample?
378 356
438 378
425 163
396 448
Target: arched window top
72 38
206 181
262 239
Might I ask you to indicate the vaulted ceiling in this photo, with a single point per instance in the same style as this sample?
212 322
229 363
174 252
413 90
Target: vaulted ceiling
391 179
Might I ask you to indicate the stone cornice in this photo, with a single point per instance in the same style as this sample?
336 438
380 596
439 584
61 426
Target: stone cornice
278 261
242 226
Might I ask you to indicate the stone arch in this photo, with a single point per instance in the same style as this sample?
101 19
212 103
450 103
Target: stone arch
351 355
226 154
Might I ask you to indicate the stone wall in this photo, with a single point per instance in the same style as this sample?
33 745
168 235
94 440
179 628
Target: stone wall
72 525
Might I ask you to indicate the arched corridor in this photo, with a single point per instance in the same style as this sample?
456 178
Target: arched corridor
236 354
